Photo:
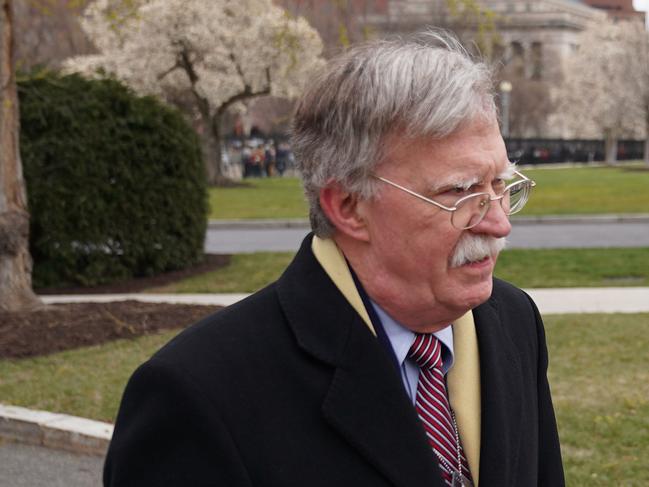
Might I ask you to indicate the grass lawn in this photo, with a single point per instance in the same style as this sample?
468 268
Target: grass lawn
246 273
262 198
528 268
86 382
583 190
599 373
589 190
538 268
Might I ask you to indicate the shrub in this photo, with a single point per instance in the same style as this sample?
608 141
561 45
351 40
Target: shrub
115 182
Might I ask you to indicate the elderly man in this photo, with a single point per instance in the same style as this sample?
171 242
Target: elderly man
386 354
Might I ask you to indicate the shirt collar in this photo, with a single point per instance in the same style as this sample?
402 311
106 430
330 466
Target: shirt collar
401 338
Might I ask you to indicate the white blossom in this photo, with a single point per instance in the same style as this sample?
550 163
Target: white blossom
605 87
214 53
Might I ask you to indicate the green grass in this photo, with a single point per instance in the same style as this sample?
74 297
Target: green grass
599 373
537 268
589 190
86 382
260 198
528 268
560 191
246 273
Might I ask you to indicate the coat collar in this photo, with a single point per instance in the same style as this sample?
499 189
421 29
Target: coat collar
365 402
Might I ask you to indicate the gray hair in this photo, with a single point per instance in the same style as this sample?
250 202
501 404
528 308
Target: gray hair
426 85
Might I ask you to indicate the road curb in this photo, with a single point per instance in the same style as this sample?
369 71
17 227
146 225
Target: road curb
258 224
53 430
572 219
522 220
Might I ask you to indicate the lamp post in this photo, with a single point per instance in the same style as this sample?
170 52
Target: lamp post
505 90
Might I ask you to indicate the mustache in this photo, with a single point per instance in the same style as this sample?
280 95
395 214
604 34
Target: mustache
474 248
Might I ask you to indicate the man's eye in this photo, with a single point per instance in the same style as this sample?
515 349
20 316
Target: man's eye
459 191
499 185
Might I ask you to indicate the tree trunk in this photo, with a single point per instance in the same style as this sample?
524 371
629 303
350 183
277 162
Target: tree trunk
610 147
211 152
15 261
212 145
646 143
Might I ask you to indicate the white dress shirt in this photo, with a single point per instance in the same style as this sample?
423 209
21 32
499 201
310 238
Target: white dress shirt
402 338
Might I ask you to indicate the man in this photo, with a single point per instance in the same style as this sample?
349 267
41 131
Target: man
386 354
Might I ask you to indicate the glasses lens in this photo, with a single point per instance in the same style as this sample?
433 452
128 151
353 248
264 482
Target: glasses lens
518 194
470 211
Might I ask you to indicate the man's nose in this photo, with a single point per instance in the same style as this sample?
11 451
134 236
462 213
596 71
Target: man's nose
495 222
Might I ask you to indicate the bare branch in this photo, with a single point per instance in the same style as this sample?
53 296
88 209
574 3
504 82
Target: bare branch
245 94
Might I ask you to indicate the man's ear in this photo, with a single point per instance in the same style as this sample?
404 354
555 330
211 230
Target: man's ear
344 210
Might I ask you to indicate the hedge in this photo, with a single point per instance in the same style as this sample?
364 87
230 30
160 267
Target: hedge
115 182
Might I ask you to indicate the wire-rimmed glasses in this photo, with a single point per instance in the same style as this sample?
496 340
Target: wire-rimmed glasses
469 210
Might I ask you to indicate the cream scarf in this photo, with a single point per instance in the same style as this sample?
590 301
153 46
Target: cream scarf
464 377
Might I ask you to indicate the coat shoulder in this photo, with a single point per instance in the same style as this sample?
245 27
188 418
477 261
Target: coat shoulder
230 336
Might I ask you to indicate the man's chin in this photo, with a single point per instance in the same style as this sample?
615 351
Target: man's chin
478 293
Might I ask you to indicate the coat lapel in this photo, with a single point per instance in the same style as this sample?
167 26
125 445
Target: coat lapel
501 386
366 402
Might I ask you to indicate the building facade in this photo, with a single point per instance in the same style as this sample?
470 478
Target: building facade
530 42
617 9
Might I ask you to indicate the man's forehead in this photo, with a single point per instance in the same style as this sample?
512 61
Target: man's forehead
450 162
477 172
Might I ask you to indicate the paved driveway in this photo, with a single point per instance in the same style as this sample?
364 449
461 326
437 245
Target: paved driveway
34 466
581 233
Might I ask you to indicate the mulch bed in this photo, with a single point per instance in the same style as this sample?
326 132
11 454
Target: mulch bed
61 327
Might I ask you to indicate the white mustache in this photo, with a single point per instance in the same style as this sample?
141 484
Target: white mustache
474 248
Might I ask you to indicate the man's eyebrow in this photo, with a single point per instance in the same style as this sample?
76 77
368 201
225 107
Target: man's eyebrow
508 172
454 182
465 182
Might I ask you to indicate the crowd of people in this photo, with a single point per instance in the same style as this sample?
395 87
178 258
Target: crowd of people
257 158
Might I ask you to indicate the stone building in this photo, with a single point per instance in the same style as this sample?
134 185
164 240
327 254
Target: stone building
532 39
529 43
618 9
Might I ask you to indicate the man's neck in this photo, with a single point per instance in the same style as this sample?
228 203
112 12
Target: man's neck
417 313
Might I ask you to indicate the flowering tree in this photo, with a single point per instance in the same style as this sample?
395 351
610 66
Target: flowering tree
15 261
636 40
605 92
204 57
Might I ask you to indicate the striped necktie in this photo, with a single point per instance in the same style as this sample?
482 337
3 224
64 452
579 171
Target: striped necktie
434 409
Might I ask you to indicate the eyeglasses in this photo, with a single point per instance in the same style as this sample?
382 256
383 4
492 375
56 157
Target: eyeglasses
470 210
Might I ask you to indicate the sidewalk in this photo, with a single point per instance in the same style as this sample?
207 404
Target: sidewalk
549 301
81 435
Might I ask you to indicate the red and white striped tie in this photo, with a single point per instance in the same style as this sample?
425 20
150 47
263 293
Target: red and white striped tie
433 407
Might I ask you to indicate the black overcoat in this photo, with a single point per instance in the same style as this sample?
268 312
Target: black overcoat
289 388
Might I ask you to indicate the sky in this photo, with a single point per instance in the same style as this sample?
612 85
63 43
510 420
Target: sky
641 4
644 6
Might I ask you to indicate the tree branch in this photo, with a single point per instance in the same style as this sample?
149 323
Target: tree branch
185 63
246 93
170 70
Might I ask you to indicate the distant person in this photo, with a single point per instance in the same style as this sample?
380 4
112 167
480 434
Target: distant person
281 157
269 158
256 159
246 160
386 354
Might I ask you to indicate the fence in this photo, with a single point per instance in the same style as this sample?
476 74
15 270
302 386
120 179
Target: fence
542 151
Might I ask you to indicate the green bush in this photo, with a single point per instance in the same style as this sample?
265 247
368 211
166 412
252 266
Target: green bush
115 182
